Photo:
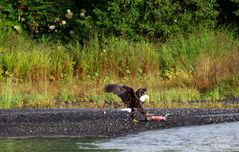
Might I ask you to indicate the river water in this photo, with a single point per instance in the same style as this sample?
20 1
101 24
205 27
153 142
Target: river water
213 138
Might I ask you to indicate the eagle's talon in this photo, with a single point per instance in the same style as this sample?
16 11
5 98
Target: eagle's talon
148 114
135 121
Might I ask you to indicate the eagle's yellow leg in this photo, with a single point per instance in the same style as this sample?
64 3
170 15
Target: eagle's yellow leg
135 121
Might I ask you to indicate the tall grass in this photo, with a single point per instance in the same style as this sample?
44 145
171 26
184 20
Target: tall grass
116 56
183 50
25 64
199 65
7 97
206 57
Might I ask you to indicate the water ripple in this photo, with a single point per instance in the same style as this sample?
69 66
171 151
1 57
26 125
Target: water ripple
216 137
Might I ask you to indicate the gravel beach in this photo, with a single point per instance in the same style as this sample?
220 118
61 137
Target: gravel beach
100 122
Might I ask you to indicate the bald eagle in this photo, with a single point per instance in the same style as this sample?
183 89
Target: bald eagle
133 100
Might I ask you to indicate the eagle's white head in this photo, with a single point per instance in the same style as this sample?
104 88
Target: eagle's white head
144 98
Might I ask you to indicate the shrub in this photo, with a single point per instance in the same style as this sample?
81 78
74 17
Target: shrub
130 18
229 13
155 19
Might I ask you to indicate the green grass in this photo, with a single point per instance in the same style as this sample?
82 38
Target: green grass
197 66
183 50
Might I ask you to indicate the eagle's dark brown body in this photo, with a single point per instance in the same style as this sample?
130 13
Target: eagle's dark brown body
130 98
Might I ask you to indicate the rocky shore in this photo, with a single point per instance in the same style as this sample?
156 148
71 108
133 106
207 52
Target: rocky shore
100 122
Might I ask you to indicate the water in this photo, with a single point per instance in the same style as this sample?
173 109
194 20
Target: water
218 137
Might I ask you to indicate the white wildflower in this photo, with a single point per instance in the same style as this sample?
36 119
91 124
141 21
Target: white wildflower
69 14
17 28
63 22
68 11
23 19
52 27
71 32
82 14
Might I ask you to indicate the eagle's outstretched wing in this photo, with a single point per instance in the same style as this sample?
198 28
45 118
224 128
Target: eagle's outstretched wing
124 92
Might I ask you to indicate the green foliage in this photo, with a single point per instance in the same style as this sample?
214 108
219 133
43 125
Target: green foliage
8 16
212 95
8 98
175 95
115 56
82 28
229 86
136 19
229 13
155 19
61 64
17 64
119 17
183 49
38 16
190 55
